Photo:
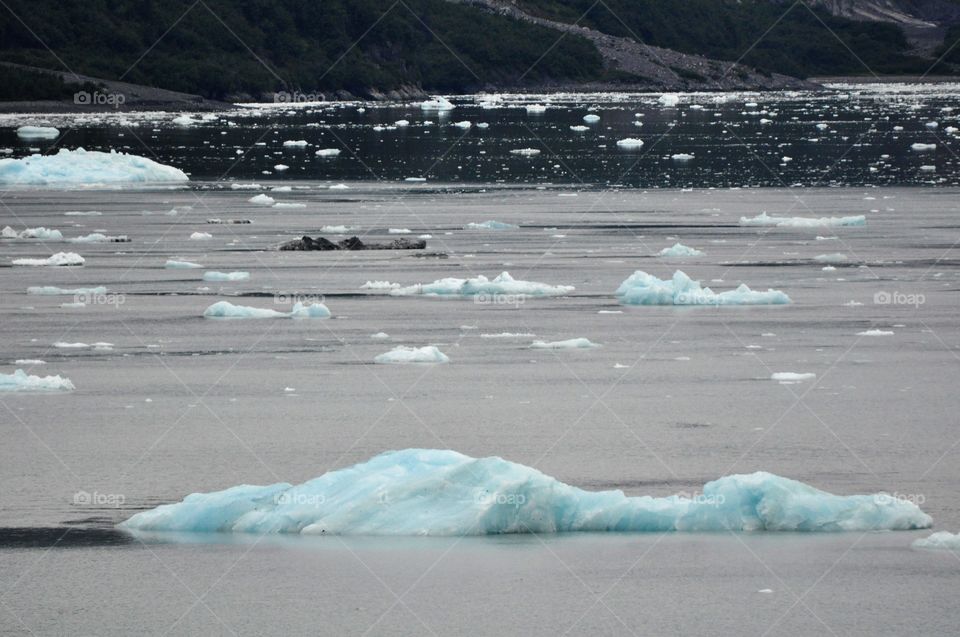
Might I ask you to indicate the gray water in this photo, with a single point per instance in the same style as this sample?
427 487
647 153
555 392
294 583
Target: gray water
183 404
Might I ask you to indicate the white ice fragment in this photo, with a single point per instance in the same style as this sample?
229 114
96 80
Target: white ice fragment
572 343
21 381
58 259
73 167
403 354
226 276
641 288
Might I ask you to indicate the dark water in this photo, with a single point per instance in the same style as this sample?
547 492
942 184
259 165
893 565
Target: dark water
733 142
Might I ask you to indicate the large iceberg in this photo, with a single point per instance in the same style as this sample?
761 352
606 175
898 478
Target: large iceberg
763 219
21 381
641 288
503 285
227 310
442 492
86 167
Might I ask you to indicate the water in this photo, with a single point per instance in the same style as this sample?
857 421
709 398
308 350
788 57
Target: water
183 404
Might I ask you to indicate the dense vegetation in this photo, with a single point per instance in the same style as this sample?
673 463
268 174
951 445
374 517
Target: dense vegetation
785 38
305 45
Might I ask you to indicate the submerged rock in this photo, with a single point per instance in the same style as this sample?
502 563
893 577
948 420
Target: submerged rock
353 243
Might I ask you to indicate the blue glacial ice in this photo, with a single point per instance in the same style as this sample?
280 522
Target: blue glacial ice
402 354
490 225
680 250
174 264
37 132
503 285
47 234
641 288
226 310
226 276
939 540
763 219
442 492
21 381
86 168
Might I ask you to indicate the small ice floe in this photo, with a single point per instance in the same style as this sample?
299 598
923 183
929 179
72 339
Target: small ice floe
402 123
262 200
923 148
174 264
58 259
184 120
464 124
641 288
503 288
281 167
681 157
680 250
327 152
404 354
939 540
380 286
508 335
99 346
836 257
295 143
591 118
201 236
37 132
226 310
669 99
536 109
245 187
289 204
417 180
875 332
45 234
82 213
927 168
572 343
528 152
630 143
339 229
380 336
579 128
438 103
763 219
226 276
792 378
490 225
99 237
399 231
765 591
29 361
21 381
52 290
339 187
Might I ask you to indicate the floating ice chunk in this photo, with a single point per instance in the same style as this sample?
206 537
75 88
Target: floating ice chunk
295 143
339 229
438 103
21 381
82 213
445 493
789 378
245 187
401 123
226 276
289 204
29 361
490 225
201 236
60 258
682 157
262 200
669 99
399 231
763 219
99 237
52 290
464 125
41 233
184 120
680 250
939 540
591 118
339 187
836 257
327 152
528 152
508 335
37 132
875 332
630 143
501 286
923 148
86 167
380 336
66 345
281 167
572 343
173 264
416 179
536 109
403 354
927 168
579 128
226 310
641 288
384 286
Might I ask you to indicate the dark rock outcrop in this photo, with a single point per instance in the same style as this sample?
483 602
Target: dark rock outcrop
306 243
